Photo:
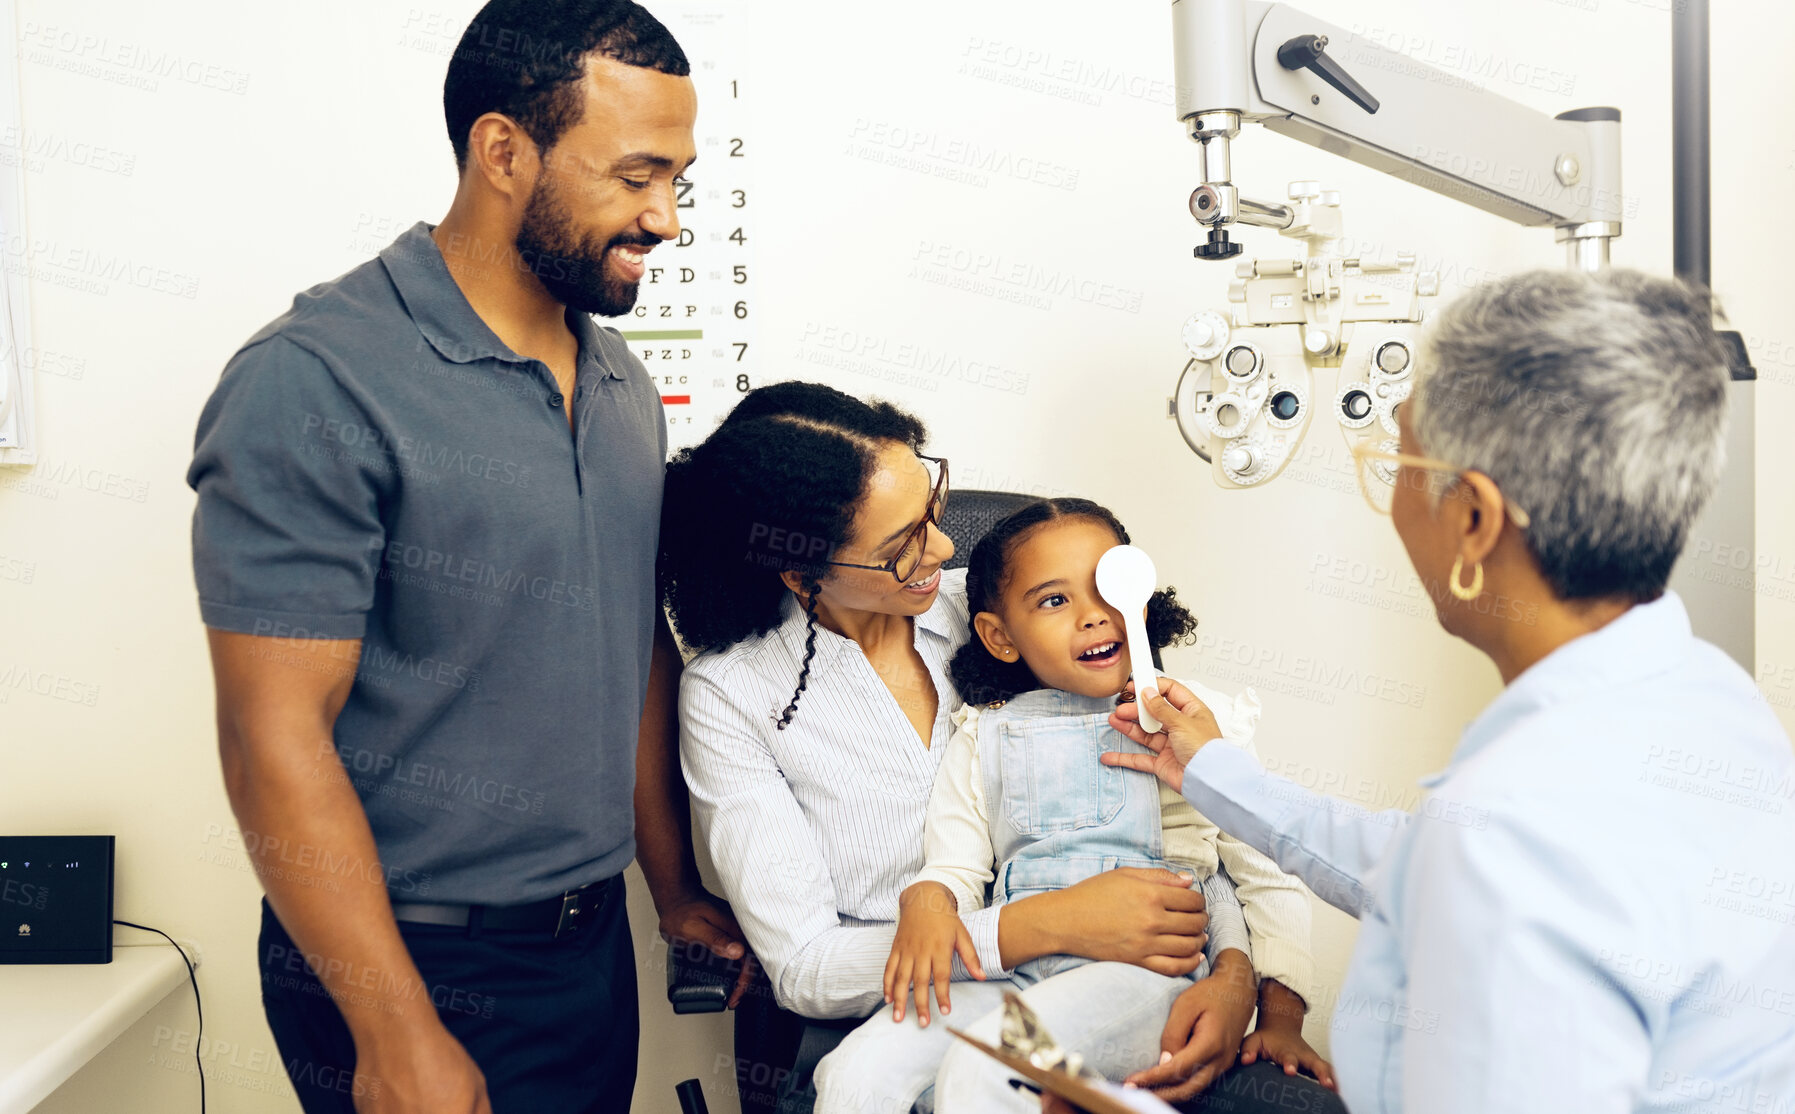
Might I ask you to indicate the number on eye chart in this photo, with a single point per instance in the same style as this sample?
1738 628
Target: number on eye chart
691 326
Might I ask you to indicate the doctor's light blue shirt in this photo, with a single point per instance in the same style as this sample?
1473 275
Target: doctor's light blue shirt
1591 910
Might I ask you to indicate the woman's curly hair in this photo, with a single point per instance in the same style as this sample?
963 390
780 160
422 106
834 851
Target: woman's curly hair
982 678
774 489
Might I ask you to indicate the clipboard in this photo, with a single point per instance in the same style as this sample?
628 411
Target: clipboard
1098 1098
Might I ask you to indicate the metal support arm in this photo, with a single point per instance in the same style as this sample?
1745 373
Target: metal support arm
1266 63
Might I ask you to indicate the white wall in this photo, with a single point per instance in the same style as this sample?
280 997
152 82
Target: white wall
244 197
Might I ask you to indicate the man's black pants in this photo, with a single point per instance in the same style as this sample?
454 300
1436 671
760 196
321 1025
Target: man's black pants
551 1023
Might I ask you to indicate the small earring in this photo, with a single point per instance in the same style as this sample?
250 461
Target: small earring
1476 586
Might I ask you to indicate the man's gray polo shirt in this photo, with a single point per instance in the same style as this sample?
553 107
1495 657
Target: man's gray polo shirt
377 464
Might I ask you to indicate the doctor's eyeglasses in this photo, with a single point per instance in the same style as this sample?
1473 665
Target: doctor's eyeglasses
908 559
1379 472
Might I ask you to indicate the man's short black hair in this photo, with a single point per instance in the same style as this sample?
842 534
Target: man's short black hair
524 58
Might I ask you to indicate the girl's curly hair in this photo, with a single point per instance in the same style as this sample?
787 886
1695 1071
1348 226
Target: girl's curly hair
984 679
774 489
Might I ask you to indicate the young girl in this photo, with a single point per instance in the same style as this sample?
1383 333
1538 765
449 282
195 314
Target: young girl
1023 805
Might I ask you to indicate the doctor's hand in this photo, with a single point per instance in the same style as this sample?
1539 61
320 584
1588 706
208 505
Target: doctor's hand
1187 727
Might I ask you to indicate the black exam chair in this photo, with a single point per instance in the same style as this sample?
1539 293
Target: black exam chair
777 1051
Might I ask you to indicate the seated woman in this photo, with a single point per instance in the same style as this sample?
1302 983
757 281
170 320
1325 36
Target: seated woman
801 555
1566 923
1022 801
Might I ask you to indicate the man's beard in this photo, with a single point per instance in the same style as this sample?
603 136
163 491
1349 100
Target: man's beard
570 267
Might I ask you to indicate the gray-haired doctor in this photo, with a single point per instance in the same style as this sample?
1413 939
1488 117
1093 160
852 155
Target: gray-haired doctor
1593 908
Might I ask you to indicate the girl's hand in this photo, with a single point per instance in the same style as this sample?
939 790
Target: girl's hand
929 932
1279 1036
1202 1035
1188 726
1287 1047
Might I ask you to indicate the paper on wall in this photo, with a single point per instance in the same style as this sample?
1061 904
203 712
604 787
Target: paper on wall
18 443
18 423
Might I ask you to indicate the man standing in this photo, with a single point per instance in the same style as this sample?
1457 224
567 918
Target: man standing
429 498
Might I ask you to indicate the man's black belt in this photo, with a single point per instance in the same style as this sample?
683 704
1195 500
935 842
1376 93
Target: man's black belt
553 917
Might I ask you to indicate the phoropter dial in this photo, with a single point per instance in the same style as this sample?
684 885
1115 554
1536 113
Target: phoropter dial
1247 461
1206 334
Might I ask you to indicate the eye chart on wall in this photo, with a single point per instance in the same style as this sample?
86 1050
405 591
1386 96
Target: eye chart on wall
693 325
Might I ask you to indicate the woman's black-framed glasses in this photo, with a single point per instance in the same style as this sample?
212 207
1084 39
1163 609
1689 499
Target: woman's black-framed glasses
909 555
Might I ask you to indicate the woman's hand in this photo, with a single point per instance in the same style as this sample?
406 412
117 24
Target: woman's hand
1188 726
929 932
1150 918
1202 1035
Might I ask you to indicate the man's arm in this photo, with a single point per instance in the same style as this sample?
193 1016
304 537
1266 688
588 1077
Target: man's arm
277 703
664 823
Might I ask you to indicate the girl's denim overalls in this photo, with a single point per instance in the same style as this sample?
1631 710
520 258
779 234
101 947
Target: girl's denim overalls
1059 816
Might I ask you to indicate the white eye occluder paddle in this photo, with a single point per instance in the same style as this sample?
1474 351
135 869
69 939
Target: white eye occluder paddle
1126 578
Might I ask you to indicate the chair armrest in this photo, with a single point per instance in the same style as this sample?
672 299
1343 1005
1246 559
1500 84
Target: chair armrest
698 979
818 1039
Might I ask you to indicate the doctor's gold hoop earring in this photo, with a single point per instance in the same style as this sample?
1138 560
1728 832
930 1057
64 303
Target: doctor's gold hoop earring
1465 592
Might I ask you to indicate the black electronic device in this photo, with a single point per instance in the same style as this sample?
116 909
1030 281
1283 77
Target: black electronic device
56 899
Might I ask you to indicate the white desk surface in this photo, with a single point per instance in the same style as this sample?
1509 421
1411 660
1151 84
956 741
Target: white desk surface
55 1017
